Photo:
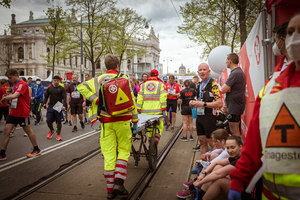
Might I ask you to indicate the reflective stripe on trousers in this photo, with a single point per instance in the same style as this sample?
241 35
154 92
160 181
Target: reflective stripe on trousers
284 192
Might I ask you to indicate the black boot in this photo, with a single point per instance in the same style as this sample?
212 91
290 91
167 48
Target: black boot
111 195
119 187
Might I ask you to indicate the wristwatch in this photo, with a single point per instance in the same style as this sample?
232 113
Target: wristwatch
204 172
204 105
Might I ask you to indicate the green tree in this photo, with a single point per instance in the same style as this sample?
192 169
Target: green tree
96 31
5 3
6 46
55 32
126 24
219 22
211 23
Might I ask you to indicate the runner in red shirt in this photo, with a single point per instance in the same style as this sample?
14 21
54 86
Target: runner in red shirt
19 113
173 90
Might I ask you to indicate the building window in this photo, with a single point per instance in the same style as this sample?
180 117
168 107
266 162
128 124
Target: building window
75 61
48 53
85 62
20 54
98 65
21 73
48 73
64 61
24 31
37 31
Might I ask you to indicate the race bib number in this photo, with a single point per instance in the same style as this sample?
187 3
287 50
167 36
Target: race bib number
200 111
14 103
171 91
75 95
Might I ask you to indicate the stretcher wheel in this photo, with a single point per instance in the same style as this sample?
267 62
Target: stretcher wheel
152 155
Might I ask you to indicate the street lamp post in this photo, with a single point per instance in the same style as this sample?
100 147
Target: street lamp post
167 62
81 54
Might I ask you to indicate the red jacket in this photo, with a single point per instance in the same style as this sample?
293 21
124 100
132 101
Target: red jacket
249 162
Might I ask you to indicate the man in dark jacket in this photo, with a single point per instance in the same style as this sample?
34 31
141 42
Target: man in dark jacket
37 99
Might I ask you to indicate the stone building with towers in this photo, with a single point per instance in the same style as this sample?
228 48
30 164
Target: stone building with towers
182 70
29 50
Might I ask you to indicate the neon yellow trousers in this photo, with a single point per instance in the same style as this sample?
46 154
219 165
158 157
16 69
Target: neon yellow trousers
157 134
114 133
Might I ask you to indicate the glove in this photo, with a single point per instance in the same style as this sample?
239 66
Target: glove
234 195
164 114
135 128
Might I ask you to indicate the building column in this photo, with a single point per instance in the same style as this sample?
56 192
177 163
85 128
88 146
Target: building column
33 51
24 52
135 63
33 72
25 72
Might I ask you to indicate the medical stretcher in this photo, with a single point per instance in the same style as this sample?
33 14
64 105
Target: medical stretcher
141 149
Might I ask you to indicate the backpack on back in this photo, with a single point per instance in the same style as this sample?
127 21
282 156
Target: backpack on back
115 96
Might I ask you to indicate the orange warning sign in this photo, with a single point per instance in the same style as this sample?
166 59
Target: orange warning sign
285 131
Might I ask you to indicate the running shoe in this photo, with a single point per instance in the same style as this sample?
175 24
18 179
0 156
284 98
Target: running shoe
12 135
70 123
82 125
50 134
172 129
191 138
58 138
36 123
42 119
167 126
186 193
187 184
197 148
85 121
75 129
34 153
2 157
25 135
184 139
66 122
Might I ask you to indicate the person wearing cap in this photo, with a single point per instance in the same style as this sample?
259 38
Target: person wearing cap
165 79
173 90
37 98
152 100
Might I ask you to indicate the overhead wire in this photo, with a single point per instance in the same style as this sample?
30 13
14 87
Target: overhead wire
181 20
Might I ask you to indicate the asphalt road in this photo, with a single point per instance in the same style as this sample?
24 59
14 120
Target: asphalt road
18 171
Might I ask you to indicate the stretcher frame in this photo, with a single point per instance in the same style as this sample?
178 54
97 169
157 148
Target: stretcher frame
145 122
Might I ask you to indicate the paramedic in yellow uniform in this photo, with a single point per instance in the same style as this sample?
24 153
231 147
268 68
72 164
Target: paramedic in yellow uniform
115 129
152 100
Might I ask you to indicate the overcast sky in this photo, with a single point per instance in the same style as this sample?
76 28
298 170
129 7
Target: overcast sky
163 18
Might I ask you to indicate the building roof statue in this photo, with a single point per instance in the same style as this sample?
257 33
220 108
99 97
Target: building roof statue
30 15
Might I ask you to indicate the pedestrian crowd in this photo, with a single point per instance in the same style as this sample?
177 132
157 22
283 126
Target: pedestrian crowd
227 161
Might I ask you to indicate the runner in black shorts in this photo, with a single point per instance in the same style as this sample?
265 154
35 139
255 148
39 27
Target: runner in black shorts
186 95
208 99
56 93
75 102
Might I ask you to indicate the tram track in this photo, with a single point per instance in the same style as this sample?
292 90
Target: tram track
142 184
135 193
